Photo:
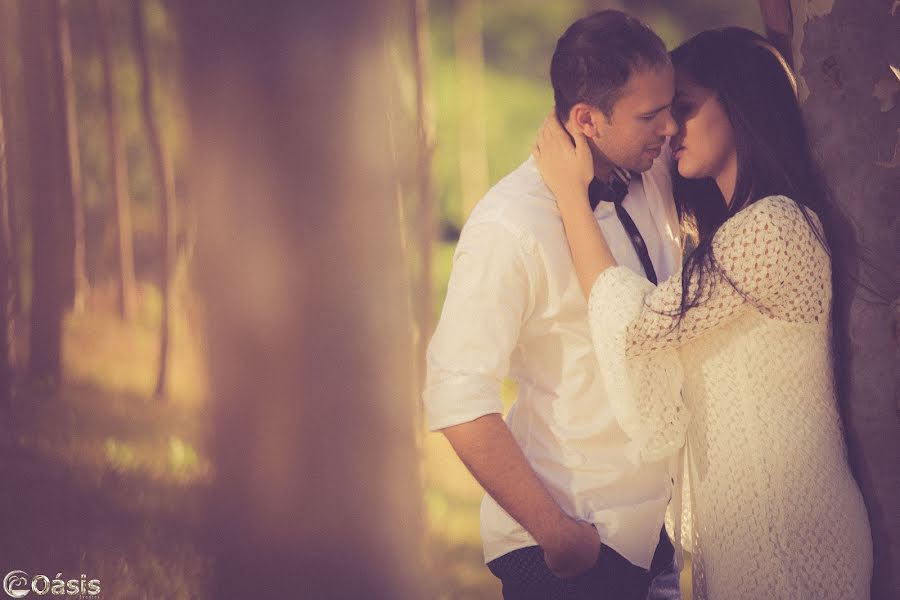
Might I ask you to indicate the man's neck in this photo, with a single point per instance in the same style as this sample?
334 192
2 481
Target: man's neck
602 167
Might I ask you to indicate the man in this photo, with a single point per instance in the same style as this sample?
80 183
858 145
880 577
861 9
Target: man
570 512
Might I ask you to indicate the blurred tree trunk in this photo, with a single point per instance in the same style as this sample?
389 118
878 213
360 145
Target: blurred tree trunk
842 50
66 83
51 205
425 150
7 20
125 283
6 257
473 162
166 186
305 288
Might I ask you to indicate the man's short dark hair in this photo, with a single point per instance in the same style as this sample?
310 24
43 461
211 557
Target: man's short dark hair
595 57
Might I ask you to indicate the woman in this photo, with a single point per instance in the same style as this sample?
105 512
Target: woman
744 329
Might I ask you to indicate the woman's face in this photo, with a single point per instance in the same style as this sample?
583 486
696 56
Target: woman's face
704 145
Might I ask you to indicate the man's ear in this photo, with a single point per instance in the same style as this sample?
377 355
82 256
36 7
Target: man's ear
582 118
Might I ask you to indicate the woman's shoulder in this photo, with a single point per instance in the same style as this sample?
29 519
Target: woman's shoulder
772 216
770 229
772 207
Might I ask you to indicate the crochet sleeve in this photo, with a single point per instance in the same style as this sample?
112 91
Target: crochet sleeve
769 260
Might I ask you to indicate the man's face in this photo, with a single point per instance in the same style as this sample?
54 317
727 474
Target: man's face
640 120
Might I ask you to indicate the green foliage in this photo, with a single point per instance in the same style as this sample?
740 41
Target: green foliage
519 37
119 455
183 461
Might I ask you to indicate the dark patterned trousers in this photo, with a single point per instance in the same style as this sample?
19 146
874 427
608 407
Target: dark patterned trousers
525 576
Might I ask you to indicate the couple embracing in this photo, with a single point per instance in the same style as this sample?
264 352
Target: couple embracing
652 374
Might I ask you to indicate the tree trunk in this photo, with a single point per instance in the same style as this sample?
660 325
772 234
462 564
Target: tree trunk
7 18
50 203
6 312
473 162
306 291
66 83
166 186
126 295
425 150
776 15
851 102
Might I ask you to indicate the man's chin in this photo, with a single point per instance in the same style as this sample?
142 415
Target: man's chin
640 166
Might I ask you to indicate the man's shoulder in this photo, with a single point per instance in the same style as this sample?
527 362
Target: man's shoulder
520 202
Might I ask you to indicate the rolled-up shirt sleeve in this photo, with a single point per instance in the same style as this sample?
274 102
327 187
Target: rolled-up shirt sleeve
489 296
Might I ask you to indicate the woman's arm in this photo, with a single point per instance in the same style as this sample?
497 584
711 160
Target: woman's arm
590 252
768 259
567 170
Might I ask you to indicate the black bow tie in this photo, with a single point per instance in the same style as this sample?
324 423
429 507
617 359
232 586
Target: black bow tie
615 192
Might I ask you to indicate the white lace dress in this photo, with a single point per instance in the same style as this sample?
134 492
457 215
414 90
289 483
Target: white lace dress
742 394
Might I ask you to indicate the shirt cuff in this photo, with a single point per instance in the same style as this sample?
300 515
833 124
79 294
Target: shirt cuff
460 398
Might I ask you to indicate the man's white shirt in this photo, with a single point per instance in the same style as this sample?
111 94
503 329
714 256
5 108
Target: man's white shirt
514 308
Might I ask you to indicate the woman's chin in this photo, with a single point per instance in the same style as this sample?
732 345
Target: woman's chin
685 170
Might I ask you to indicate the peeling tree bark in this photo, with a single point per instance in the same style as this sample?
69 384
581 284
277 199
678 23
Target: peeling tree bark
776 16
843 50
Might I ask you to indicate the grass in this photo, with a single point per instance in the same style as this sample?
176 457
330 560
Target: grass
101 479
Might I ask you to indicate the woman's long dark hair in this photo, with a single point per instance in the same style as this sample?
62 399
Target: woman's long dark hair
757 90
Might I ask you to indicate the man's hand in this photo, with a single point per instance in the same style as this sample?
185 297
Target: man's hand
493 456
574 550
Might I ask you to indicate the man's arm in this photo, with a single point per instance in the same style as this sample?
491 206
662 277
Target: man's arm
489 451
489 297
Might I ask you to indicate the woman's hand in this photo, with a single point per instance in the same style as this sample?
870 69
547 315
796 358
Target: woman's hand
567 170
